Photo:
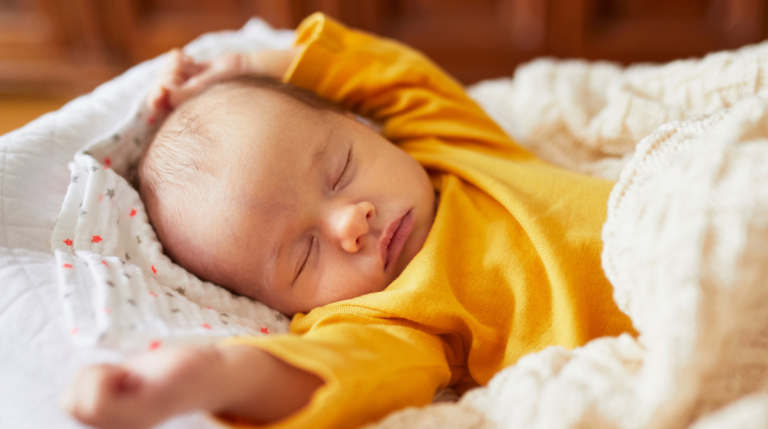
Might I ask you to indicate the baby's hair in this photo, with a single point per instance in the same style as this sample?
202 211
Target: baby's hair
176 157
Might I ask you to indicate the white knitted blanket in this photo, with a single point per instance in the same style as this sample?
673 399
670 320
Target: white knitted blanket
685 246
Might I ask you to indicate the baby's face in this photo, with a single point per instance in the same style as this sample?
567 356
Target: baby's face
306 207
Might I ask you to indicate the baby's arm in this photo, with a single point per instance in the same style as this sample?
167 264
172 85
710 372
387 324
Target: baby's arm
418 105
242 381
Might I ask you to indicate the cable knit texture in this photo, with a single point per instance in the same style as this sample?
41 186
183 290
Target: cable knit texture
684 246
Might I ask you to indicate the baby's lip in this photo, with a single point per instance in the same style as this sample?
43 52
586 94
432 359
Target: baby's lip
394 236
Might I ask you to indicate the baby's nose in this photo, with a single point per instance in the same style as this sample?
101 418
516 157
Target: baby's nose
351 225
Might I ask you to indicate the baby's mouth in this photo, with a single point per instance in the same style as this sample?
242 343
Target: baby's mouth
393 238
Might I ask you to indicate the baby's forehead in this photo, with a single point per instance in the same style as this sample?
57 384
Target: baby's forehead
232 130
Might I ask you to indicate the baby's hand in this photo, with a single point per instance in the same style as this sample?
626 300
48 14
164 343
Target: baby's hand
177 69
145 390
238 380
181 78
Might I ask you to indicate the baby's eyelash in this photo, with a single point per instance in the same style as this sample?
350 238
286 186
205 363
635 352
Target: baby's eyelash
306 259
346 169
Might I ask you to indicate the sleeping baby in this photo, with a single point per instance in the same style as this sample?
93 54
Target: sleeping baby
430 253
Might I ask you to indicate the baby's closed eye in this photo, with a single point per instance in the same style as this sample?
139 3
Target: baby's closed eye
344 172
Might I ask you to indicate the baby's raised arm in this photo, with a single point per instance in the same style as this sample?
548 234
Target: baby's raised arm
242 381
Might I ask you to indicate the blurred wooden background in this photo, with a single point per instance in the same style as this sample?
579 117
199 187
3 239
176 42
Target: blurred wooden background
51 50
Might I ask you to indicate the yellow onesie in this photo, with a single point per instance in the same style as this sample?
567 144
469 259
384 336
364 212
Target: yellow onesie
511 265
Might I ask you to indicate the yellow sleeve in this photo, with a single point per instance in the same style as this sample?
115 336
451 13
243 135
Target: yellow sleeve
369 371
393 84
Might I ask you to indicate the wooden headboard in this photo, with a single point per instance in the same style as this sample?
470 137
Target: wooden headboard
71 45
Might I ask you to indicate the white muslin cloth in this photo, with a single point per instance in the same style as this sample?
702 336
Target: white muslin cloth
118 288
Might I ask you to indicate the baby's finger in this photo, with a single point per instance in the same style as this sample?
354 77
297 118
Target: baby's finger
191 87
217 69
183 65
184 93
179 65
190 68
173 62
158 99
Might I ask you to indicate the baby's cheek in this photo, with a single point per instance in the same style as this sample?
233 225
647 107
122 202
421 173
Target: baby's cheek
355 280
374 279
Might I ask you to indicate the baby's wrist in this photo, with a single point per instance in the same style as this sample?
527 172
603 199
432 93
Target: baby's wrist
197 380
269 62
259 387
216 380
237 377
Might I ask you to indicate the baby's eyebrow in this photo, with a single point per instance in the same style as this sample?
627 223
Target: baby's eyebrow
320 152
271 268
